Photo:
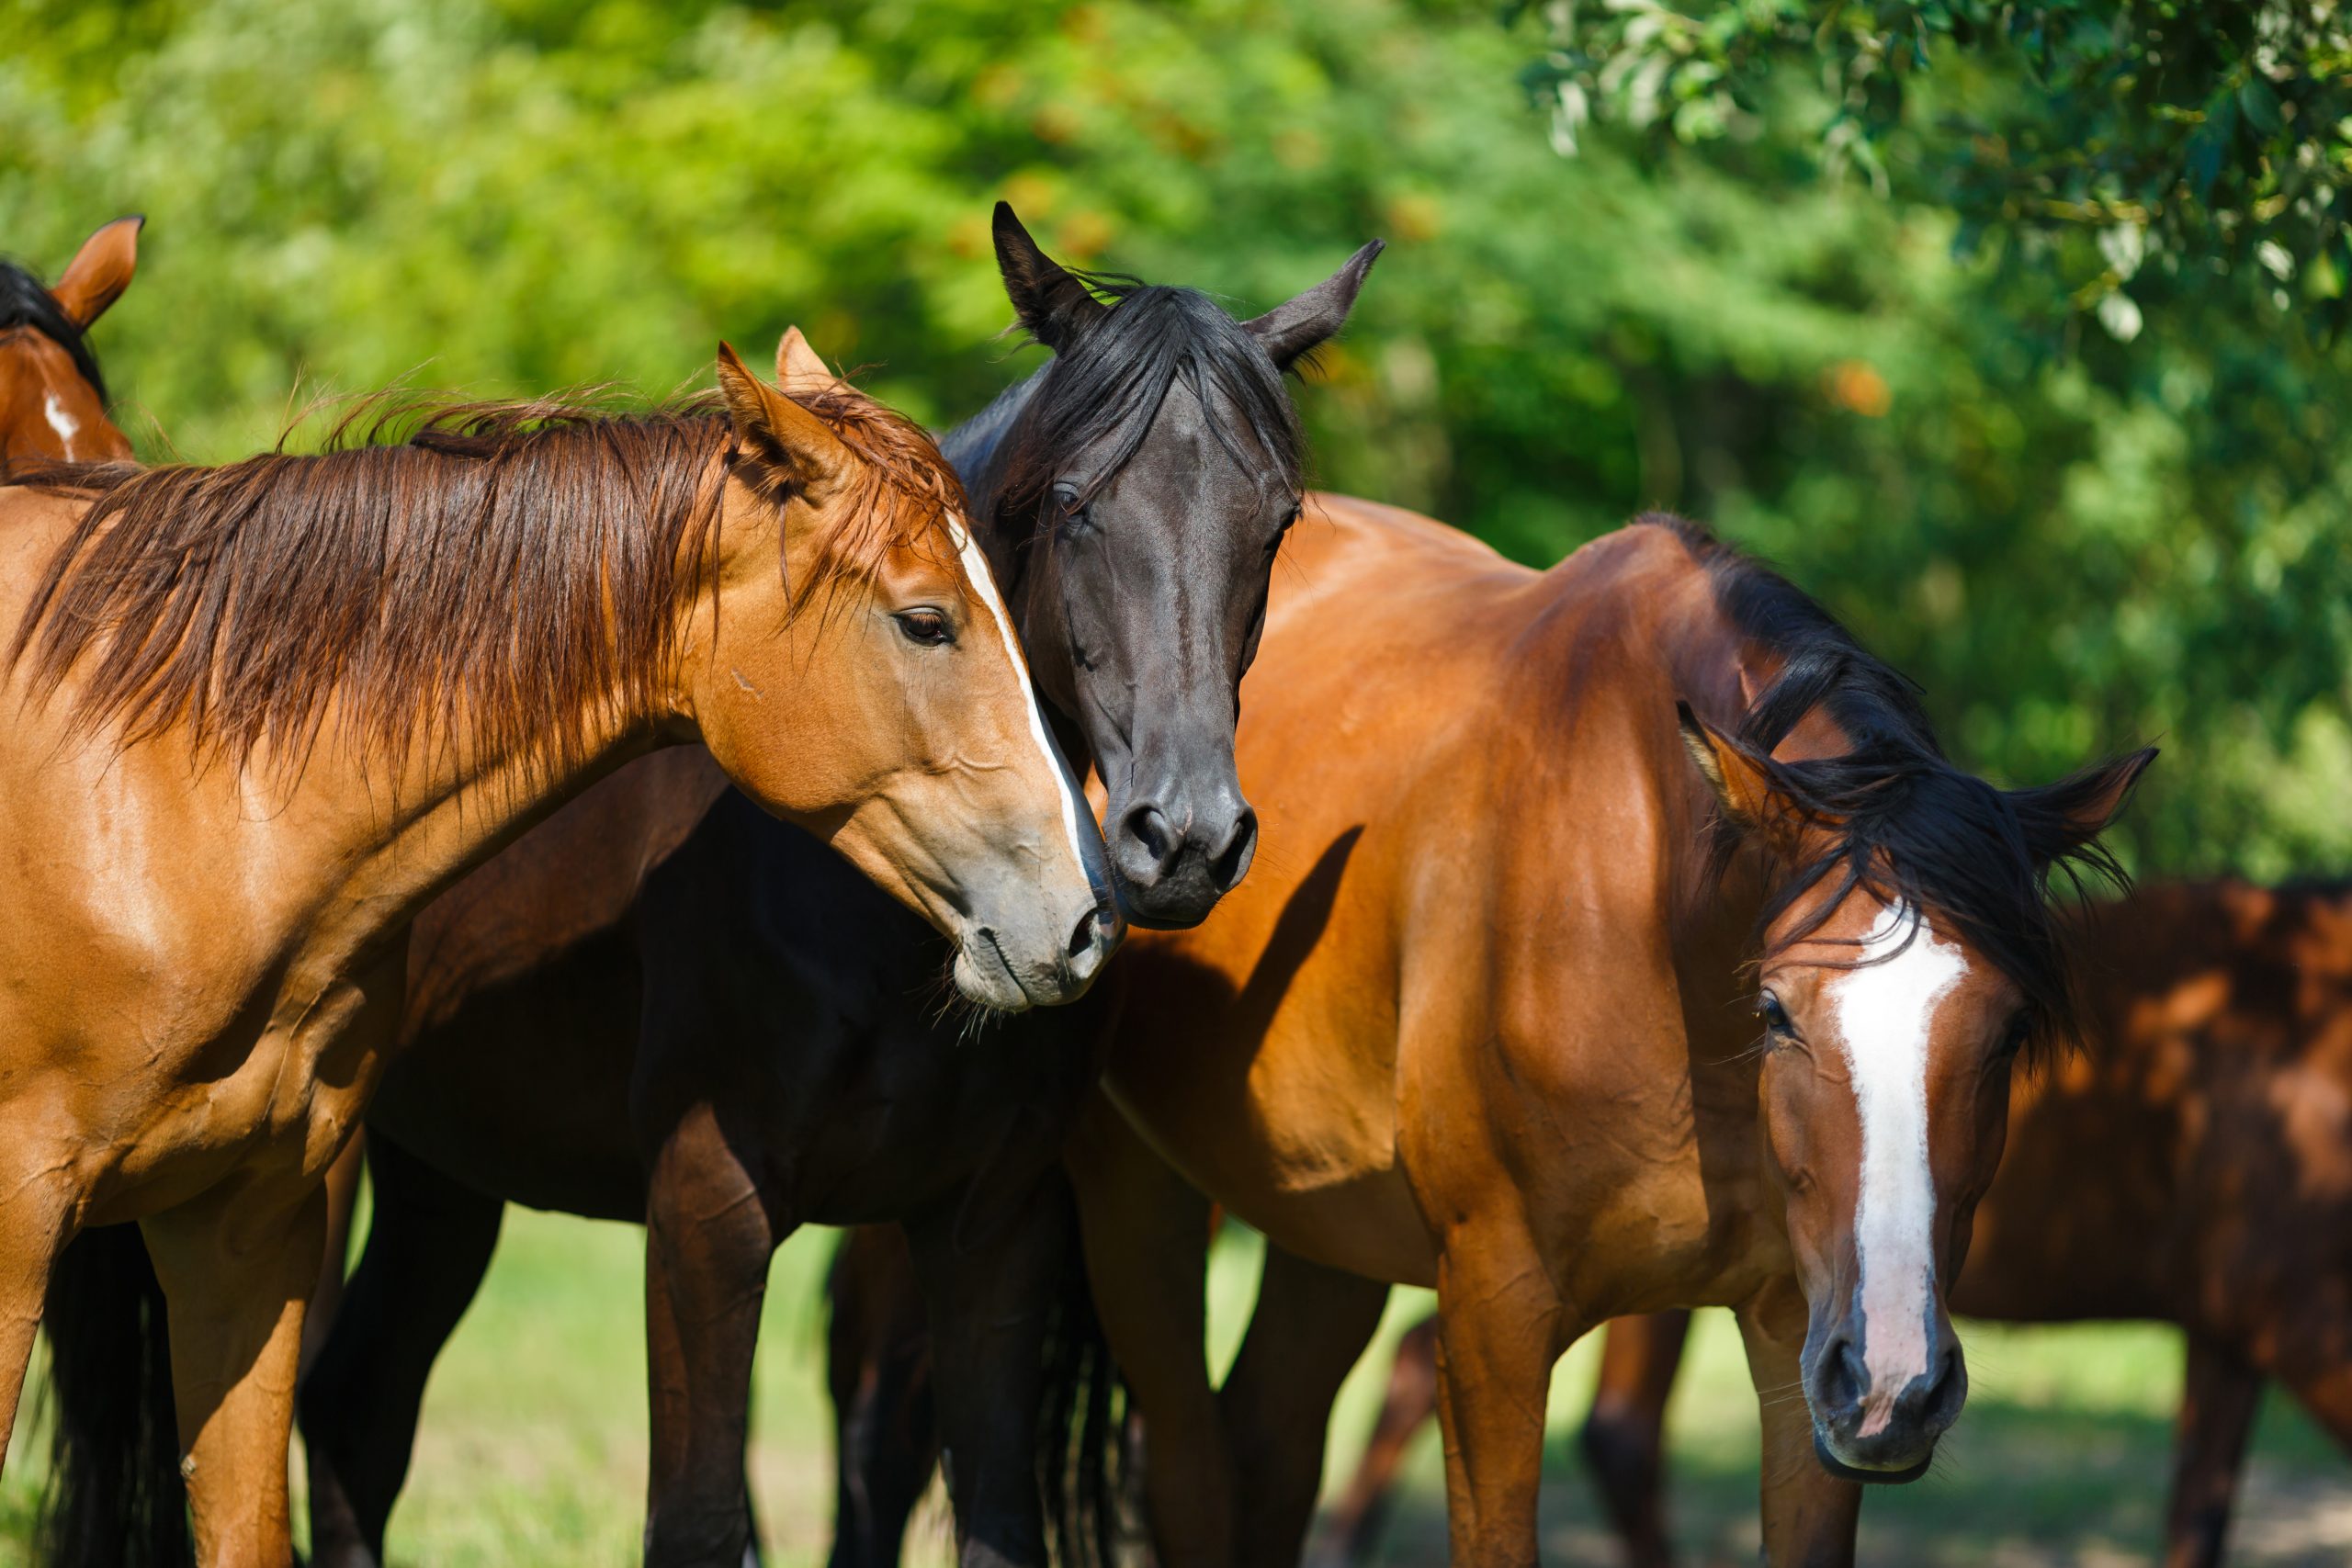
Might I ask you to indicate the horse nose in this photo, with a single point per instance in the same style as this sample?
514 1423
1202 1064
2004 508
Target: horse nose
1092 941
1931 1402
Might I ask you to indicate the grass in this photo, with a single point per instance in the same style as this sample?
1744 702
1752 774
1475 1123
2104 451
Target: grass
532 1445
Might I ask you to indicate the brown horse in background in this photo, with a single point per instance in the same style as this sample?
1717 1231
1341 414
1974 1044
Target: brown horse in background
52 396
264 711
1484 1020
2193 1165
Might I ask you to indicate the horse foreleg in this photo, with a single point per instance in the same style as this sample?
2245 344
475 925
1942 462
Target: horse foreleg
878 1371
237 1266
429 1244
343 1197
1624 1438
1410 1402
990 1301
1809 1515
2219 1397
1310 1325
708 1241
1147 1233
33 1225
1501 1326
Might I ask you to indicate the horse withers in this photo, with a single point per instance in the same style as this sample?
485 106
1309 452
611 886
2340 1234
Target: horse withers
265 712
1570 1006
52 395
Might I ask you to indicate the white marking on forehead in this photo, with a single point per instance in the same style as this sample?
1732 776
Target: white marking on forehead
976 568
1886 1011
65 424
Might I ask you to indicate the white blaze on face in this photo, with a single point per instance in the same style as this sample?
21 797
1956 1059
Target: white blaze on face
976 568
65 424
1886 1011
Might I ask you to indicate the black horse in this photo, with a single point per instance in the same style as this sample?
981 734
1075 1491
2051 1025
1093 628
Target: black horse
663 1005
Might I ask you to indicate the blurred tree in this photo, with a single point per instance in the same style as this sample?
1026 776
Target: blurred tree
2073 544
2173 133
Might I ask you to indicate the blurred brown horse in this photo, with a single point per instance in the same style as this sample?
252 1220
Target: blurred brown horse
52 396
1489 1022
262 713
2194 1166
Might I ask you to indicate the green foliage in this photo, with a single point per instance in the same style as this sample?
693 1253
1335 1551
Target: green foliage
2075 545
2166 133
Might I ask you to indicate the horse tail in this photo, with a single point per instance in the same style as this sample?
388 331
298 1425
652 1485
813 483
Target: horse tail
1082 1460
115 1498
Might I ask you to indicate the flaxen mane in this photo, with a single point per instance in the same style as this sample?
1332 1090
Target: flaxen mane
505 570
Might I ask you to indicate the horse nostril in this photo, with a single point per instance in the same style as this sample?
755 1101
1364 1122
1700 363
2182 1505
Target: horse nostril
1147 827
1092 928
1941 1396
1232 862
1844 1379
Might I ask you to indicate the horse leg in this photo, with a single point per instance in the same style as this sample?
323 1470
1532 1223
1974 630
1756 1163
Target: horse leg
1310 1327
35 1219
1501 1326
709 1237
428 1246
1624 1436
2219 1397
1809 1515
878 1372
237 1268
1147 1235
990 1303
343 1196
1411 1401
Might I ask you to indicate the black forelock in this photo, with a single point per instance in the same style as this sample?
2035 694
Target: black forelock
1906 823
1105 388
25 303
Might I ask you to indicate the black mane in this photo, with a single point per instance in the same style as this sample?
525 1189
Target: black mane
25 303
1108 385
1908 824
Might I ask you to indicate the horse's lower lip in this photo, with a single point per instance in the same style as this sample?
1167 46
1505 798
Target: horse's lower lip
1845 1471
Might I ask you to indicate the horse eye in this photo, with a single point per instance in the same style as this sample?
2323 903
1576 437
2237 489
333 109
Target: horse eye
926 626
1775 1016
2020 1030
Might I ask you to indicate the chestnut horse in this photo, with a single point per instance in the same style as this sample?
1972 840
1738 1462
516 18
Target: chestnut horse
2193 1167
263 713
52 398
663 1007
1483 1021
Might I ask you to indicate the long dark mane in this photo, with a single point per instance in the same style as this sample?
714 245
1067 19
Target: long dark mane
1903 822
508 571
24 303
1102 391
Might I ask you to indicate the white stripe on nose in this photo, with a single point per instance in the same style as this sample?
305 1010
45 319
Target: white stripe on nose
976 568
1885 1009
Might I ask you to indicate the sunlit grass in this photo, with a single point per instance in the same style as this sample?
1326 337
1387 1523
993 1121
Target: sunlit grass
534 1438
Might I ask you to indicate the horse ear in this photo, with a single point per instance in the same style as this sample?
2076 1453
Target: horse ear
776 432
100 271
2060 819
799 369
1740 785
1294 328
1054 307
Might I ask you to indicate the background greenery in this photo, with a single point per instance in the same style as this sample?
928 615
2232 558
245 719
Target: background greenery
1794 279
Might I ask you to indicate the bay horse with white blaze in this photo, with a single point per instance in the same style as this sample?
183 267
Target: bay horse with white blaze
1486 1020
263 713
2192 1166
661 1006
52 395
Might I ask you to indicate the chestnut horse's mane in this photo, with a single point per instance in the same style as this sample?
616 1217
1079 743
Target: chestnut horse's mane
1903 820
511 565
24 303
